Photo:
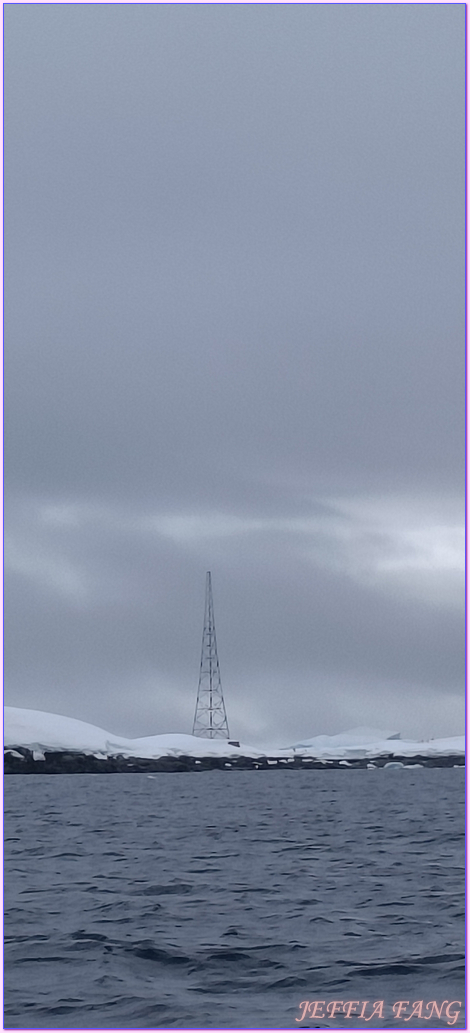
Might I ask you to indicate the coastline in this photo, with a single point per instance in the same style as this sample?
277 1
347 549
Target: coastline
19 760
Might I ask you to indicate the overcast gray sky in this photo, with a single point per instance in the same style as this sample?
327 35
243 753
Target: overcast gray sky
235 342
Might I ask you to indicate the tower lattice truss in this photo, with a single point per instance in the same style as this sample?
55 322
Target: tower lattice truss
210 718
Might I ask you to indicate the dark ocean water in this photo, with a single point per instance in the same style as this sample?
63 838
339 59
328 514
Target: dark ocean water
224 899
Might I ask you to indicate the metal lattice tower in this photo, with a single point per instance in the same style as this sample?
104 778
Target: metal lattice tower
210 719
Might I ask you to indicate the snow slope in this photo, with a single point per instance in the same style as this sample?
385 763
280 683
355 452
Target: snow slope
39 731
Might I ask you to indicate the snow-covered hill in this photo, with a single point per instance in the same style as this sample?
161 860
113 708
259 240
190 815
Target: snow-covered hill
39 731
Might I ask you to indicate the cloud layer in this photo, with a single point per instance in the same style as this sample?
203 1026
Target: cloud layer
234 341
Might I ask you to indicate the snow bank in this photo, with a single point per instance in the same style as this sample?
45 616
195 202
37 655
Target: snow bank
39 731
355 737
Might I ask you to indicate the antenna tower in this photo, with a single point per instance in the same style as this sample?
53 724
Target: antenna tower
210 719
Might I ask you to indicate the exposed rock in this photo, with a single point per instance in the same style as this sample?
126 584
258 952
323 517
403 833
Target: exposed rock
20 761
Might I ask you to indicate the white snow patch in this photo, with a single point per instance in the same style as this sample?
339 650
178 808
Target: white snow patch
355 737
39 731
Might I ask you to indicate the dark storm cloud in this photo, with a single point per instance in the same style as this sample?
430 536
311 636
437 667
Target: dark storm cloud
234 319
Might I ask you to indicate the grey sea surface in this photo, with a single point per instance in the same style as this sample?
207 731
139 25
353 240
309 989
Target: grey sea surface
225 899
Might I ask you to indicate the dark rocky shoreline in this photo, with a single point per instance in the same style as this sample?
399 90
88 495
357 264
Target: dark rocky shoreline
20 761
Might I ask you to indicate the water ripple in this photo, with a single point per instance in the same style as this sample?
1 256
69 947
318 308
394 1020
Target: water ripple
222 901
